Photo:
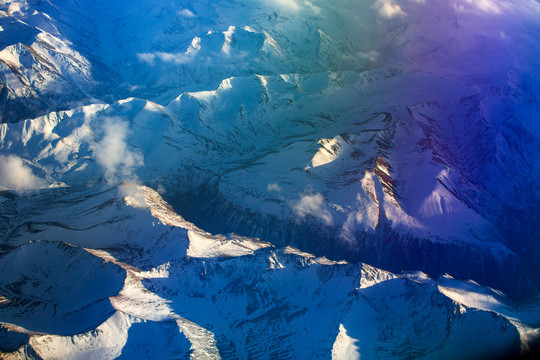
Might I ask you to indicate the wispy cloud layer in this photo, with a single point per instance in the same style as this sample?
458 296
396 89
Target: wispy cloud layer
176 58
113 154
314 205
16 175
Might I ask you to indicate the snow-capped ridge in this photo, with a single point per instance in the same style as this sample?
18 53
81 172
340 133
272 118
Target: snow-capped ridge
65 299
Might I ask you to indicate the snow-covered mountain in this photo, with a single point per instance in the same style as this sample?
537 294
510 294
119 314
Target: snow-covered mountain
39 69
141 281
211 179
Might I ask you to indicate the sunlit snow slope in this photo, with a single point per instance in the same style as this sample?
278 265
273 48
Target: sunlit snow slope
211 179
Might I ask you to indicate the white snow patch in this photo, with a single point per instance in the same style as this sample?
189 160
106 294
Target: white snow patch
371 276
274 262
472 299
205 245
328 152
226 48
105 342
289 250
136 300
203 342
345 347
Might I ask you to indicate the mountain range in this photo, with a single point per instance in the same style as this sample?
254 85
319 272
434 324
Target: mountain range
269 179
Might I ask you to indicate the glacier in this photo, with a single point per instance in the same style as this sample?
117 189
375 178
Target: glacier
269 179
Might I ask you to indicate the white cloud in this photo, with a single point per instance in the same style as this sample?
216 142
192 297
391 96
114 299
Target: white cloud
177 58
368 55
147 57
497 7
308 4
314 205
113 154
15 175
273 187
486 6
389 8
186 13
293 6
287 5
349 227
